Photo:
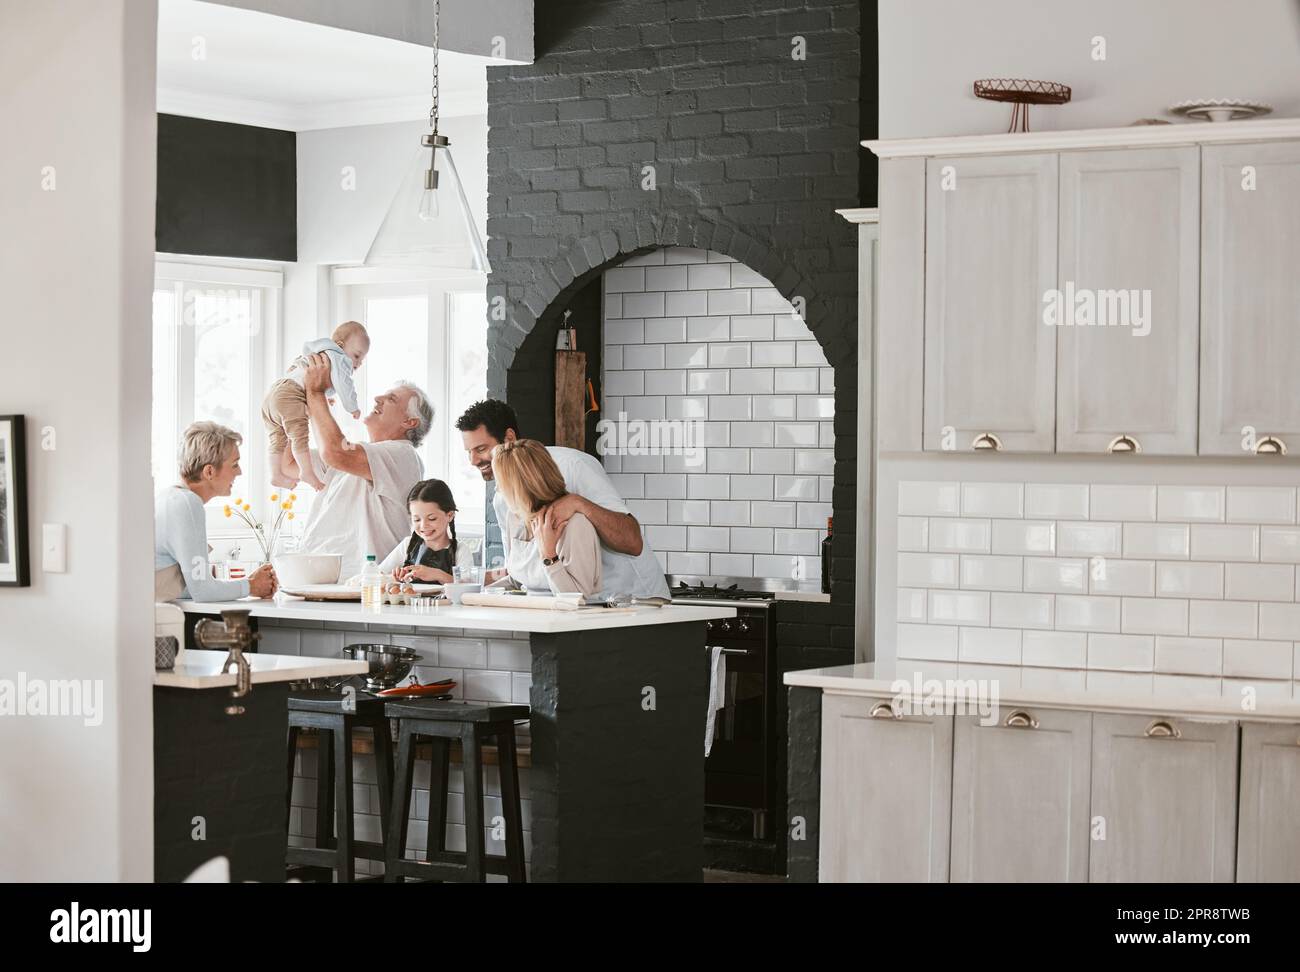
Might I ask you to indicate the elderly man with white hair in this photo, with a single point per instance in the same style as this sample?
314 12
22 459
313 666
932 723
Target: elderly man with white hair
362 509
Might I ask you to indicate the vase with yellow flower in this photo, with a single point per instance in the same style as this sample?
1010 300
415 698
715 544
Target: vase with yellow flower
267 540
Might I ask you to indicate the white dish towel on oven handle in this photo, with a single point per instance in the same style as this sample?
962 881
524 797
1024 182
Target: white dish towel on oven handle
717 693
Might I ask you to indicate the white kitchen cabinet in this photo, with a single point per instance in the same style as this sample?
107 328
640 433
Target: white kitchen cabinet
1250 294
1129 278
1164 804
1020 796
886 792
1268 838
990 256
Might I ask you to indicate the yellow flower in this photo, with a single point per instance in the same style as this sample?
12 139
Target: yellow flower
226 510
238 501
292 497
291 516
247 507
285 506
275 497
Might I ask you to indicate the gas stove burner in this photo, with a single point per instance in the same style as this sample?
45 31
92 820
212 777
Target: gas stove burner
732 592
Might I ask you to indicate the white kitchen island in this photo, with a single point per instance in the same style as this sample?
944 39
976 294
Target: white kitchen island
930 771
616 731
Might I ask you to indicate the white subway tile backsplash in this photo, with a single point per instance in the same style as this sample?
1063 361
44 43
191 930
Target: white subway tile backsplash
666 382
989 573
1027 537
927 570
1223 619
752 381
1189 656
664 486
772 354
685 254
791 326
708 328
613 306
728 408
729 354
706 276
625 331
640 356
665 278
686 407
911 604
1056 502
631 486
780 408
625 382
796 381
1260 582
1079 613
802 435
685 355
812 515
1154 615
1279 545
688 511
814 462
1134 653
1009 610
1189 580
707 486
913 533
708 382
727 513
993 499
770 514
756 435
728 302
772 461
959 536
1261 504
625 278
665 330
743 276
643 305
1196 504
1110 575
806 543
769 301
727 460
683 304
1157 541
931 641
809 354
1049 575
929 499
796 488
989 646
752 487
1088 539
731 565
1127 503
1225 542
666 537
1055 649
1257 659
645 406
751 327
710 538
813 409
1279 621
649 512
688 563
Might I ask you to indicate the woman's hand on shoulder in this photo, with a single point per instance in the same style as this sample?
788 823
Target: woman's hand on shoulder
547 534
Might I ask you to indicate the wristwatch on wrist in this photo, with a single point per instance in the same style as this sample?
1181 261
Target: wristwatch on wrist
549 561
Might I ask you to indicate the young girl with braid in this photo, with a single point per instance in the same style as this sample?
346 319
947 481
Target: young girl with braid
431 551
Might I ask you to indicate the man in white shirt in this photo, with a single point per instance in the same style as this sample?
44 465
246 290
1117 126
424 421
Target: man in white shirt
362 509
628 565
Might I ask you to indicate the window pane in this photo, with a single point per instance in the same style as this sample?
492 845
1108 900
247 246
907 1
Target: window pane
467 384
163 453
399 343
223 326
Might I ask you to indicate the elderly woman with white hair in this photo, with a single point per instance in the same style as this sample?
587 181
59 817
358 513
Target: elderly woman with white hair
209 465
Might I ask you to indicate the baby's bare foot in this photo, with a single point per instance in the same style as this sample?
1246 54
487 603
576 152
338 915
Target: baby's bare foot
282 481
313 482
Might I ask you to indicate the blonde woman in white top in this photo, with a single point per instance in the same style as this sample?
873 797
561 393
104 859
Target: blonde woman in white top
565 562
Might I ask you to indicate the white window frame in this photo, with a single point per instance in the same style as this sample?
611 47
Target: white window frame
180 273
351 286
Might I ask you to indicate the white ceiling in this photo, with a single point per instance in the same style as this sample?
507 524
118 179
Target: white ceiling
257 69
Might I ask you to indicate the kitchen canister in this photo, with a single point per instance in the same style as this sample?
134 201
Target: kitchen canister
164 653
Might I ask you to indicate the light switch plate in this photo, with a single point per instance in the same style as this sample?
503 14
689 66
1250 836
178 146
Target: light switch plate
54 548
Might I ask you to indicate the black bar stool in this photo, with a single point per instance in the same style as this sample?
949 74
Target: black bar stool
335 715
440 723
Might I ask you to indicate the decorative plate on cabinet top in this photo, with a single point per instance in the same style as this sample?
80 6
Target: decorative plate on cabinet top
1219 109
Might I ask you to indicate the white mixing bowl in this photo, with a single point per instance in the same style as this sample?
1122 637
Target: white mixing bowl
302 570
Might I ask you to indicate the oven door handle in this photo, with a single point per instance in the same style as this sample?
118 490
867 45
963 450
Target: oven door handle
735 651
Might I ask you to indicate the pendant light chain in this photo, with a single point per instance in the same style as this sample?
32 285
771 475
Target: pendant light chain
433 111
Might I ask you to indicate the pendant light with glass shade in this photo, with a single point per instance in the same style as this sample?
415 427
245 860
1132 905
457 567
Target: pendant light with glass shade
429 224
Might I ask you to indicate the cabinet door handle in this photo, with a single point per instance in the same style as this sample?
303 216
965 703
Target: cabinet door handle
1124 443
1020 719
884 710
1270 445
986 440
1163 729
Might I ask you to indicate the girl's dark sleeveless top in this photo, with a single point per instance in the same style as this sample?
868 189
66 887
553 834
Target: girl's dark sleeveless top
437 559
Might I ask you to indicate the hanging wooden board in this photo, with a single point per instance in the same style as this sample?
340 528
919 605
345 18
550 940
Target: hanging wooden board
571 399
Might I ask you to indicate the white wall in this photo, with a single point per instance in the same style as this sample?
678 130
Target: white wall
337 225
1158 52
76 268
468 26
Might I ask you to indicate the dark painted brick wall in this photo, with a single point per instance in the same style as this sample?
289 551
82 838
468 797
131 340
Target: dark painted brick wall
753 152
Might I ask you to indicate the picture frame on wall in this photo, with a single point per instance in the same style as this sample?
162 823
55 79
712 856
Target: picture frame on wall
15 569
